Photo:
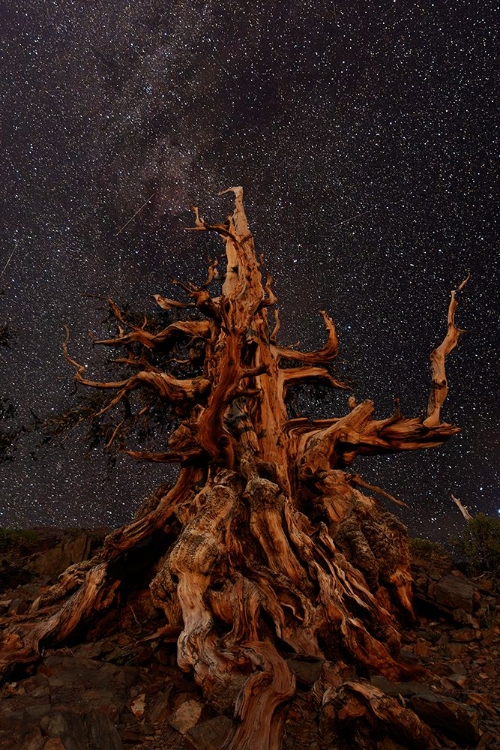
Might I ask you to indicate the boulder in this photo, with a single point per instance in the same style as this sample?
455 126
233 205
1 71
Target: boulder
212 734
92 731
455 591
307 669
456 720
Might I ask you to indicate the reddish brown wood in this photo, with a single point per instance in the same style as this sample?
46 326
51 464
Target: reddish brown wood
277 547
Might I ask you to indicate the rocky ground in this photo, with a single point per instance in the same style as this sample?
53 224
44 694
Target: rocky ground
124 691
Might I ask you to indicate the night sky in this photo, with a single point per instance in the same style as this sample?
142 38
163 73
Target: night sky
364 135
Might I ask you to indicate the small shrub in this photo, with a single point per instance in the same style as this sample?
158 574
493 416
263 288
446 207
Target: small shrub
424 547
479 544
431 556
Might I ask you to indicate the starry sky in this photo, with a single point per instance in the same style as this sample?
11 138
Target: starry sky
364 134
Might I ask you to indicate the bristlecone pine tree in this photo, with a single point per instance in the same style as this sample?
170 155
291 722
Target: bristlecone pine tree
265 546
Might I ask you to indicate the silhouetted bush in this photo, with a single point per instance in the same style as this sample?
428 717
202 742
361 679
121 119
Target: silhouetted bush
479 544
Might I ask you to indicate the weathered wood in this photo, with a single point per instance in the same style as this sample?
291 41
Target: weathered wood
275 545
462 508
439 387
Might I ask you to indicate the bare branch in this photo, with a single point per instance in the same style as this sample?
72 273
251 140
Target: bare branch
169 304
189 328
277 325
298 375
168 457
439 387
324 355
462 508
339 441
239 215
168 387
356 479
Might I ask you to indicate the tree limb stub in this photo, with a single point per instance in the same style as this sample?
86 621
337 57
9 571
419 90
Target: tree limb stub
265 546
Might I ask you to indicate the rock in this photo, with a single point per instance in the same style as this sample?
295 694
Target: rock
186 716
67 727
455 592
307 669
102 733
86 673
131 735
455 649
466 635
387 743
458 668
41 691
210 735
486 584
489 637
91 650
166 656
83 685
405 689
421 648
461 617
456 720
67 551
124 640
144 655
431 634
11 713
488 742
90 731
161 708
457 680
55 744
483 700
38 710
34 741
138 706
491 669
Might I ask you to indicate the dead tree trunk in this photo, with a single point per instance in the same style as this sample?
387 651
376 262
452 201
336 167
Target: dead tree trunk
277 548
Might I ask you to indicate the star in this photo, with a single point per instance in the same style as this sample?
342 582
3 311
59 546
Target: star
365 139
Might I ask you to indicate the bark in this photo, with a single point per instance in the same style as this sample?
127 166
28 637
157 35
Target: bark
269 546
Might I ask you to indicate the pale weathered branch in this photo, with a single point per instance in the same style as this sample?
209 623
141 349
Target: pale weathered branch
439 387
462 508
239 215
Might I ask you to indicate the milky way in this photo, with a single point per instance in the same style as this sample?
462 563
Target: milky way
364 135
